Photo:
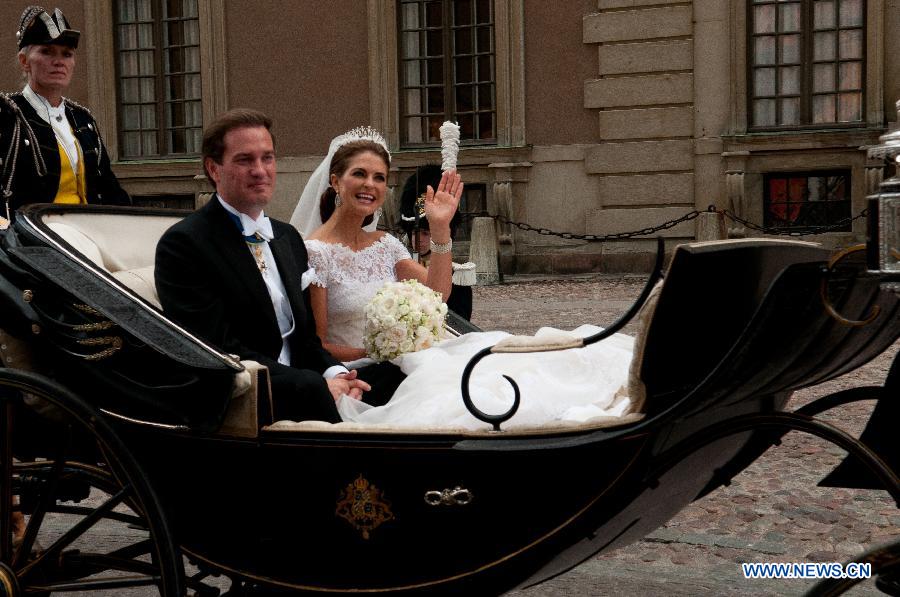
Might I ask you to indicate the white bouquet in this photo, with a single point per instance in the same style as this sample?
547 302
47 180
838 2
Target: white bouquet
403 317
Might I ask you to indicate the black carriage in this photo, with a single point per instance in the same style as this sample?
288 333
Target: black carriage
103 392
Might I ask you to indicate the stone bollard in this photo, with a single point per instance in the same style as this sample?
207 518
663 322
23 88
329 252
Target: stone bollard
710 226
483 251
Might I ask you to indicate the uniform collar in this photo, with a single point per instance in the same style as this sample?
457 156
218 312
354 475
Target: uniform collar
43 108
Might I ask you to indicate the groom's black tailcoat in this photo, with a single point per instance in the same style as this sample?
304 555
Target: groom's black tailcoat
209 282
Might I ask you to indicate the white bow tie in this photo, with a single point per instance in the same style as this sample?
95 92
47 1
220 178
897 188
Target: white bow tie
261 226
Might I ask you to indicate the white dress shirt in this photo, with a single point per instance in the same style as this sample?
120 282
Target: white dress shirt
274 284
56 118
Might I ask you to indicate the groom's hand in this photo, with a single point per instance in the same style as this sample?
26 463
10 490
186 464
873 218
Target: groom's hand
346 383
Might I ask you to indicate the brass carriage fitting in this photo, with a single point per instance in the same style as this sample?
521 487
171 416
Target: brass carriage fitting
27 296
114 342
87 309
449 497
94 327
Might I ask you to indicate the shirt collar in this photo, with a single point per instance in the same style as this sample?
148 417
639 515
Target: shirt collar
248 226
42 106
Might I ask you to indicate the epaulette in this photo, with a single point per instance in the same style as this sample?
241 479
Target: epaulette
10 164
7 97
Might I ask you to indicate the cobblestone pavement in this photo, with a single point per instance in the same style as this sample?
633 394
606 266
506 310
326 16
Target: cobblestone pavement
773 511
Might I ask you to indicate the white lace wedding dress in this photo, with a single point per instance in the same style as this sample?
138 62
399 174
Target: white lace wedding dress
352 279
566 386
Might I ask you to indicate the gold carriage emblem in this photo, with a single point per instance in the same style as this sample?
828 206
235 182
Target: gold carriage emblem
363 506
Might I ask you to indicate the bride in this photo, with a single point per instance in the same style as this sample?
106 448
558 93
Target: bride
350 262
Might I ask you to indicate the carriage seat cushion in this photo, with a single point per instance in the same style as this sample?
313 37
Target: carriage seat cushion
141 281
124 247
79 241
596 423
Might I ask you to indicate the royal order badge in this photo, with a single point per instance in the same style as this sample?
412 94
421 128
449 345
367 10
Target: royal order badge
362 505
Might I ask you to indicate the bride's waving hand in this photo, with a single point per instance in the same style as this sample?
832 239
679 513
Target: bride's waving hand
441 204
440 207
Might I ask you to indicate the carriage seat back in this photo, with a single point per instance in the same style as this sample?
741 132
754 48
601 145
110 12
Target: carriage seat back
124 246
709 296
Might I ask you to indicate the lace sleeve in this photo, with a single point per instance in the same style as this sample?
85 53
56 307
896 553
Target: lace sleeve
395 248
318 262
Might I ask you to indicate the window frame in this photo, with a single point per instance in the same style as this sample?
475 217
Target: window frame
767 177
163 129
509 75
102 55
873 86
449 84
807 64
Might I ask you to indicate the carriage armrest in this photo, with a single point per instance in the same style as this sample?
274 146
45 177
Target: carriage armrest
637 389
251 387
545 343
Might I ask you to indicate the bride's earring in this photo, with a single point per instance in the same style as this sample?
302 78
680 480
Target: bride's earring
337 201
378 213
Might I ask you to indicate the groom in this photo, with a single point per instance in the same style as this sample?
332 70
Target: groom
233 277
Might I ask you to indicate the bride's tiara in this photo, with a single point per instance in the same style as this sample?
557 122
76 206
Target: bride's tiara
360 133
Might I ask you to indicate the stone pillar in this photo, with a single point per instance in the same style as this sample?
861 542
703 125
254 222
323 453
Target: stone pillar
507 192
502 192
874 177
390 211
204 191
710 226
737 198
483 251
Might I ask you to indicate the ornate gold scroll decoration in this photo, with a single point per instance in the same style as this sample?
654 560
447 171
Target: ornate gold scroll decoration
363 506
114 343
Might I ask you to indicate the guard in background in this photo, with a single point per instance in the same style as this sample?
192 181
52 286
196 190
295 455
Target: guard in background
414 223
50 146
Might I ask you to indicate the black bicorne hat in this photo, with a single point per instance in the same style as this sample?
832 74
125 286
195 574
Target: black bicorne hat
37 26
412 199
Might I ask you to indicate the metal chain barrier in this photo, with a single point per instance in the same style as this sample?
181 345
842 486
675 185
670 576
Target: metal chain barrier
691 215
809 231
606 237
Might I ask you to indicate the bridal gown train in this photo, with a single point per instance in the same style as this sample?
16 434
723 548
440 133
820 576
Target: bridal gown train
566 386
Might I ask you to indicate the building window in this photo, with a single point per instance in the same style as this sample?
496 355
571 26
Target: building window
158 73
447 70
802 201
807 62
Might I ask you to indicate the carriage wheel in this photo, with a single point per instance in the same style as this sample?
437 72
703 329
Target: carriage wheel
91 520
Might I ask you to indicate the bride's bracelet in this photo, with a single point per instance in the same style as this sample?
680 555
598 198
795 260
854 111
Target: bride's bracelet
442 248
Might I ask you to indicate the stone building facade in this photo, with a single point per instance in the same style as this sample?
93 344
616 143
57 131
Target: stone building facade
592 117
